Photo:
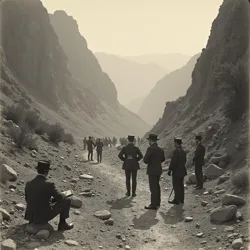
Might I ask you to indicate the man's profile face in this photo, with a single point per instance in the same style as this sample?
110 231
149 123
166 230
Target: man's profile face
197 141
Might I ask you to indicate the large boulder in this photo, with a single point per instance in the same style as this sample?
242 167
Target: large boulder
36 228
76 202
213 171
223 213
7 173
8 244
230 199
5 214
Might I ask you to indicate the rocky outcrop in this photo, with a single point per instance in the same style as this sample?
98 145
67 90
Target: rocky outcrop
169 88
42 64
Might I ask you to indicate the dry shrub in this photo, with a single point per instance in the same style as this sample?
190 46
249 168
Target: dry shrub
56 133
14 113
21 135
68 138
240 180
32 118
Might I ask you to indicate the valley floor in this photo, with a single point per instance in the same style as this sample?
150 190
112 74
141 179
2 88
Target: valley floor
139 228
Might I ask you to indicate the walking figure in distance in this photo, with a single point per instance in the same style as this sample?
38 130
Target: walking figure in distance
99 149
90 147
177 169
38 195
131 155
199 161
154 158
84 143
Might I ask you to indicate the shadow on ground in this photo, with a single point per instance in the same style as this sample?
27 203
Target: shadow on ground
23 238
121 203
146 220
174 215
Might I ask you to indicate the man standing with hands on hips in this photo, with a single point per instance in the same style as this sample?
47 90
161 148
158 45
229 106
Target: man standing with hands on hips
154 158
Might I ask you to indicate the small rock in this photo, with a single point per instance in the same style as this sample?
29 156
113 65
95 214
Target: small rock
73 180
67 167
27 165
86 194
223 178
228 229
109 222
20 206
5 214
237 244
35 228
239 216
230 199
44 234
33 245
204 203
8 244
77 212
213 171
103 214
86 177
76 202
71 243
127 247
197 225
7 173
221 191
188 219
216 200
118 236
199 235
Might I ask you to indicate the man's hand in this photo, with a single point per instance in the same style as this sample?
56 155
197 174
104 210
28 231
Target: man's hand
169 172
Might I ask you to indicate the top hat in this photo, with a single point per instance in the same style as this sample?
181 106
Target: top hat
131 137
44 165
198 137
178 140
153 137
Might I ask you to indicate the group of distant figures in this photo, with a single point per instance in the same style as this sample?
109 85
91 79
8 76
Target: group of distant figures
44 201
99 144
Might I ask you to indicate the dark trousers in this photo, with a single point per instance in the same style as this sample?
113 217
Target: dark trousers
84 146
90 155
199 176
155 189
99 156
128 174
178 186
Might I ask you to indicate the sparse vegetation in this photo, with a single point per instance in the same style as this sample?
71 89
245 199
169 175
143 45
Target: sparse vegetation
22 135
241 180
30 122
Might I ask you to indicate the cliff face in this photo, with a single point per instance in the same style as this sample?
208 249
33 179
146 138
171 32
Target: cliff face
216 104
57 75
169 88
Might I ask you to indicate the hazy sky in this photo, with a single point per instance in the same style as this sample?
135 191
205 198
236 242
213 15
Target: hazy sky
135 27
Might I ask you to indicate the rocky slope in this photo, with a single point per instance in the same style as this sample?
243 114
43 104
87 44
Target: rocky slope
40 70
171 61
132 79
216 104
169 88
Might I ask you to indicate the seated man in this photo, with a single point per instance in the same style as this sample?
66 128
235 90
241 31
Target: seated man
38 195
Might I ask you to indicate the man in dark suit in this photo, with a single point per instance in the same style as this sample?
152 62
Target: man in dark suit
38 194
199 161
131 155
90 147
154 158
177 169
99 149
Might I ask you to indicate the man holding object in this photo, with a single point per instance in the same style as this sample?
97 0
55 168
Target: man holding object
154 158
38 195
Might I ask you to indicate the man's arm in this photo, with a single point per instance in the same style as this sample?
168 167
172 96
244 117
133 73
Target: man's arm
147 156
58 196
163 158
121 155
139 154
173 161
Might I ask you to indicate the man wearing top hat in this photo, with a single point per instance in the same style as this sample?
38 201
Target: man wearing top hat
177 169
90 147
130 155
154 158
44 201
199 161
99 149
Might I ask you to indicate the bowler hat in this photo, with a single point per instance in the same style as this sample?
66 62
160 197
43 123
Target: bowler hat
43 165
131 137
153 137
198 137
178 140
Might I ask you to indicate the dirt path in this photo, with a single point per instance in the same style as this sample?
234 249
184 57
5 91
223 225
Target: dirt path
139 228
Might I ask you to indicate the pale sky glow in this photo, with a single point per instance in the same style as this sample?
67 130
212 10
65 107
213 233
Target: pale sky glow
135 27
